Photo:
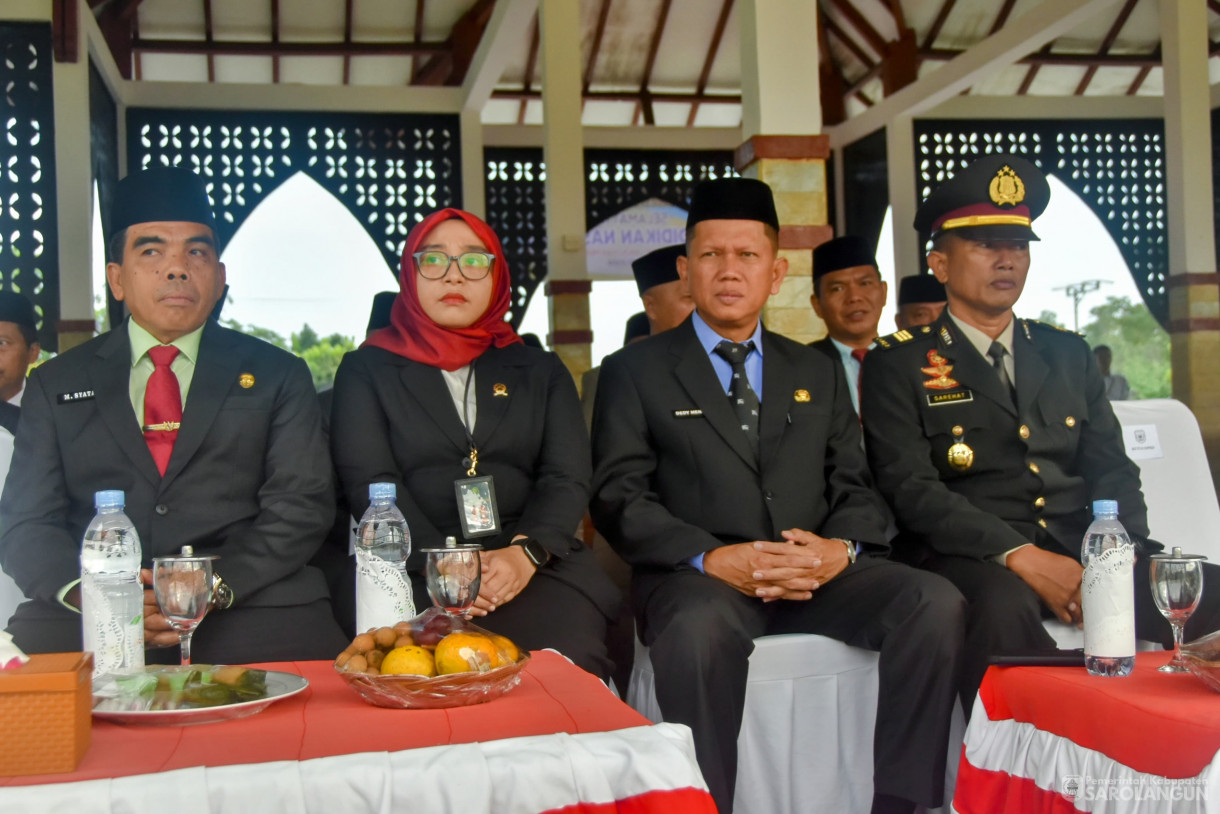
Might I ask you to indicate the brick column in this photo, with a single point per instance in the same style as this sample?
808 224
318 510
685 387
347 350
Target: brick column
570 337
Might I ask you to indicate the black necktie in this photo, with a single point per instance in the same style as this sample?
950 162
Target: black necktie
741 395
996 352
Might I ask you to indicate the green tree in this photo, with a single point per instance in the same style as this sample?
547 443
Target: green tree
265 334
1139 344
1050 318
324 356
306 339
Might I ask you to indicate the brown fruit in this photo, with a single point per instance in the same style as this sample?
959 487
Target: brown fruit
363 643
385 637
357 664
343 658
404 641
375 657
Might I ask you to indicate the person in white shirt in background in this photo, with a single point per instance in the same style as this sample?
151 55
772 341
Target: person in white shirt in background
19 349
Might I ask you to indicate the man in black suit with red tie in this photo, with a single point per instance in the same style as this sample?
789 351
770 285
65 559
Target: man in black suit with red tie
214 436
729 474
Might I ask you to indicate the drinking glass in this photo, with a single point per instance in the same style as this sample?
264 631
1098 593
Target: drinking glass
183 587
1177 587
454 574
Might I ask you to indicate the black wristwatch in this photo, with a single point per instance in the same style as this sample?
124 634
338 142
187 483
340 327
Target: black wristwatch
533 549
222 594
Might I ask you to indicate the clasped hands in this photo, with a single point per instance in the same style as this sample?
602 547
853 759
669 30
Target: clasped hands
506 572
790 569
1054 577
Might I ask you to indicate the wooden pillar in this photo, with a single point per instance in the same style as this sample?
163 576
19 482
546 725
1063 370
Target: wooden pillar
782 124
1194 295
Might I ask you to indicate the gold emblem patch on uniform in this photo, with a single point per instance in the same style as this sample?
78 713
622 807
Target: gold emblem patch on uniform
938 371
946 337
246 380
801 396
498 389
1006 187
961 457
1070 421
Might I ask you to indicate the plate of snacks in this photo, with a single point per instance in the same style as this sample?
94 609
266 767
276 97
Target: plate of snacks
194 694
432 661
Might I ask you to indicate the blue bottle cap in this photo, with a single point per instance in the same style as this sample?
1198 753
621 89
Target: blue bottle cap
109 499
1105 507
382 491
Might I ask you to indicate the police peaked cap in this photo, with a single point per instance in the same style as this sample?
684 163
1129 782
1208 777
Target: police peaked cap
161 194
657 267
920 288
836 254
732 199
996 197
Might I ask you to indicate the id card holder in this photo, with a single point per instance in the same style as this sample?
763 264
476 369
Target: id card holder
476 500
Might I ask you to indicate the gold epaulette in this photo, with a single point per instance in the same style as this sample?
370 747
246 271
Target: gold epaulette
900 337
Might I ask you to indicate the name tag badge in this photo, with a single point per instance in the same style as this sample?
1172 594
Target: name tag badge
688 413
939 399
476 501
78 395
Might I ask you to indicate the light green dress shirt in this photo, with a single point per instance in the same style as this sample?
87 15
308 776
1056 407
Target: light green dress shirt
142 365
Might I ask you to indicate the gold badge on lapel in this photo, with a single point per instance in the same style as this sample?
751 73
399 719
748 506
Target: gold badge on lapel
801 395
246 380
961 457
498 389
938 371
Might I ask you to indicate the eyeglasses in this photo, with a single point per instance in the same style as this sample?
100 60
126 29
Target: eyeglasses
472 265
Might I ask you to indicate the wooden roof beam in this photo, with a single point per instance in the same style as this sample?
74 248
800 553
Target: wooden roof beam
500 39
347 40
449 67
598 33
862 25
531 64
712 49
850 44
275 38
1002 17
118 21
287 49
418 36
209 36
1106 45
646 98
938 23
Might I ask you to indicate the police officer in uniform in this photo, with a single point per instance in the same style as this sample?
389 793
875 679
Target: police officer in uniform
990 435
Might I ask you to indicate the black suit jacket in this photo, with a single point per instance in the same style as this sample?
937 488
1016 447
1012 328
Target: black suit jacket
1037 465
394 421
675 476
249 478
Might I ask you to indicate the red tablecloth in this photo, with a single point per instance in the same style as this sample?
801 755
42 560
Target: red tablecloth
1043 738
330 719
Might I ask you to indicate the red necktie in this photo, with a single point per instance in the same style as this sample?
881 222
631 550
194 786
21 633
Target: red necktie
858 355
162 406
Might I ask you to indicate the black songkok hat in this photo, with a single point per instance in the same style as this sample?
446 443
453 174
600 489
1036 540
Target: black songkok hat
920 288
657 267
997 197
732 199
637 328
379 315
841 253
161 194
17 309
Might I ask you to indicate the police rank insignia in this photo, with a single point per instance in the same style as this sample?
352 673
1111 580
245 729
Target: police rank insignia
246 380
1006 188
801 396
498 389
938 372
961 457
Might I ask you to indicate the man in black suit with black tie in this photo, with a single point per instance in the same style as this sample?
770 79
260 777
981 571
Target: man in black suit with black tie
233 463
729 474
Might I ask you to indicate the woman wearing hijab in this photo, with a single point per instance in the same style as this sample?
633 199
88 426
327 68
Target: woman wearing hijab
448 394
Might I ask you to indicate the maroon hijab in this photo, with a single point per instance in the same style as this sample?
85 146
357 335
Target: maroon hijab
413 334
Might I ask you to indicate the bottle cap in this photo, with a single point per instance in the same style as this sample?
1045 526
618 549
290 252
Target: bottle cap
382 491
109 499
1105 507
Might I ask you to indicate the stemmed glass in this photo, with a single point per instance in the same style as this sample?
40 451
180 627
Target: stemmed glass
183 587
1177 587
454 574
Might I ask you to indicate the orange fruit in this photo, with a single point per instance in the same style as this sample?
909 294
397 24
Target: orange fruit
507 651
464 652
409 660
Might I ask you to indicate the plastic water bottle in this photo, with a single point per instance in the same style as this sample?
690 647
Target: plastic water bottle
1108 594
112 598
383 543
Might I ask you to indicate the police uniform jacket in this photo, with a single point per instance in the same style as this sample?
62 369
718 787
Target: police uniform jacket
1033 468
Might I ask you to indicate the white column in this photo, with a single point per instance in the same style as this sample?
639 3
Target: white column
562 144
473 171
779 63
904 196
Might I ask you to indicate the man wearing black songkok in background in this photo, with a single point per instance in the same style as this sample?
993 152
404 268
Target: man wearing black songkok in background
214 436
19 349
753 513
921 298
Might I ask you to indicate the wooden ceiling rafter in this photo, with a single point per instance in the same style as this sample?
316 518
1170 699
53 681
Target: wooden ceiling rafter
1002 17
418 37
850 44
939 23
644 102
896 13
1106 45
119 22
209 35
1214 5
862 26
596 48
630 96
275 38
1032 73
531 64
831 85
713 49
1138 82
449 65
347 40
1045 57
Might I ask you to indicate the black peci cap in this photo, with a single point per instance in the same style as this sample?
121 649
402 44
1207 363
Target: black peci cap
657 267
637 328
920 288
17 309
836 254
161 194
732 199
996 197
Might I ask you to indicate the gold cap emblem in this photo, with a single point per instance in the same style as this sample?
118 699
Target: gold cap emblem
1006 188
801 395
499 389
246 380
